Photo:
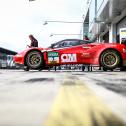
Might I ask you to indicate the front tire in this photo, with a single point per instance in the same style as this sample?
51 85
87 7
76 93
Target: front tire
34 60
110 59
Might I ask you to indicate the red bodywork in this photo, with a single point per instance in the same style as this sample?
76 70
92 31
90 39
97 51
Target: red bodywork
81 54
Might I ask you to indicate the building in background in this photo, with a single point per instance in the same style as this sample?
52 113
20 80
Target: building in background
6 58
104 19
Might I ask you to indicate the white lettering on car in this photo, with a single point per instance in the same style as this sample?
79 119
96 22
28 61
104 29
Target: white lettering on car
68 58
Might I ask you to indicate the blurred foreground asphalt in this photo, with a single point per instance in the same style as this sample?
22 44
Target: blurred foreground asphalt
62 98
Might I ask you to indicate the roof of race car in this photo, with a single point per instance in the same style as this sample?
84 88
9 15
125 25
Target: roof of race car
86 41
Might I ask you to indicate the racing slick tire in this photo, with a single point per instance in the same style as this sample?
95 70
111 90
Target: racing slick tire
34 60
110 59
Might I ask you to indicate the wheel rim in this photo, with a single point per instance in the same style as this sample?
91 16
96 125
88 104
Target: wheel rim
110 59
34 59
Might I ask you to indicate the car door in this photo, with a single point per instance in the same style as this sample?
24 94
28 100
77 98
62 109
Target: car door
71 53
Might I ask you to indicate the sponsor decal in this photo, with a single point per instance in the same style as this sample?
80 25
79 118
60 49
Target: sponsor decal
53 57
68 58
86 55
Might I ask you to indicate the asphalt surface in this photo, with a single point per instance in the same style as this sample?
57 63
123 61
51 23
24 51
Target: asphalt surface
62 98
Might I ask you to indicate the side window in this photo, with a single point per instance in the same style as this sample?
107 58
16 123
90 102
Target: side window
67 44
58 45
83 42
74 43
61 44
70 43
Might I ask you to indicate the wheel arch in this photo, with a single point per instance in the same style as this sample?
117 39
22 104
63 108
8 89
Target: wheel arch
113 50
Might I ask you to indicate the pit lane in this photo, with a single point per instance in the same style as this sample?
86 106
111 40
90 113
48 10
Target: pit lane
72 97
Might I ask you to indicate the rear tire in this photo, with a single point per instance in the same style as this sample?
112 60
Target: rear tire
110 59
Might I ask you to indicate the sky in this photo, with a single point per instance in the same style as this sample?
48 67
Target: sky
19 18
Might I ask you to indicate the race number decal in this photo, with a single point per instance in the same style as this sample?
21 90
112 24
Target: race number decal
68 58
53 57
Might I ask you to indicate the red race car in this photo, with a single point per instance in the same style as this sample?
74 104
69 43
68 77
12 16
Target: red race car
74 51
